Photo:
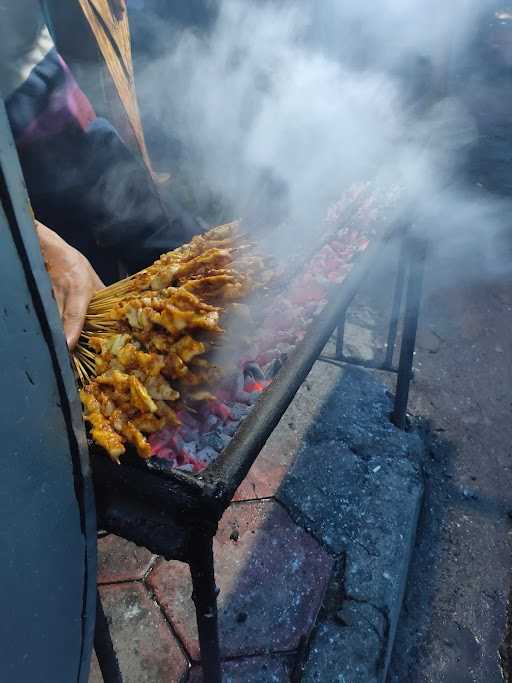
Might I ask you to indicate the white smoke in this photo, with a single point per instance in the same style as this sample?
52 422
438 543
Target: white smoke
316 95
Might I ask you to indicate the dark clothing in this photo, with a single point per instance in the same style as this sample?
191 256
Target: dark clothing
82 179
89 188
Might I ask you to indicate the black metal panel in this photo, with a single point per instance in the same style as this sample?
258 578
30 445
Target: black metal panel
47 536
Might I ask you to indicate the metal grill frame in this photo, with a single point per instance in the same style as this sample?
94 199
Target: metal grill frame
176 514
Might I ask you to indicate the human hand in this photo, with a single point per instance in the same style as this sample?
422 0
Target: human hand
73 280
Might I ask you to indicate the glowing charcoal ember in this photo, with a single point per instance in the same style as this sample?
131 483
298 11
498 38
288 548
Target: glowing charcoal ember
260 386
306 291
240 393
165 453
160 440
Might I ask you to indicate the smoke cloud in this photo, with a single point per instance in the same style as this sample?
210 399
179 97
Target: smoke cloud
280 106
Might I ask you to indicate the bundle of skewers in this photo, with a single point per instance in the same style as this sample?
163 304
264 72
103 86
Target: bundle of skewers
149 342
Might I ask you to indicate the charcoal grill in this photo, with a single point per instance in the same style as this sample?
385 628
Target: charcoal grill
175 514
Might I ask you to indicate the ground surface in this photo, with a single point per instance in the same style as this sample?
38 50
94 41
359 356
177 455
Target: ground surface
453 623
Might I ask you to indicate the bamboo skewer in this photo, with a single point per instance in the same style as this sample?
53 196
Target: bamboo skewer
100 320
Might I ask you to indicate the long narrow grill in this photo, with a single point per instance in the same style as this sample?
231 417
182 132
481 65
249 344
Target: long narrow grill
210 453
175 513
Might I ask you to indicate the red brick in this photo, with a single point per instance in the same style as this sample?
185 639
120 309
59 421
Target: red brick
250 670
120 560
281 450
271 574
266 475
147 650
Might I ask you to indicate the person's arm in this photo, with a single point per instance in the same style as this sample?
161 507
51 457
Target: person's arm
73 279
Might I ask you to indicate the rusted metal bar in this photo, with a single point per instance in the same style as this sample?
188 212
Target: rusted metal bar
416 248
107 658
205 600
397 304
340 337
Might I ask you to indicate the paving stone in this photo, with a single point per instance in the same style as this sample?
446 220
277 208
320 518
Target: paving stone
341 403
356 484
279 453
271 575
120 560
250 670
147 650
349 651
355 412
368 509
428 340
345 499
267 474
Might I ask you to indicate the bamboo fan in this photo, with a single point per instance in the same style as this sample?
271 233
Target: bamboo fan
112 32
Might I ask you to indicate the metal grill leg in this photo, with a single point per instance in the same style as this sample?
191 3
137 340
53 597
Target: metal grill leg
205 599
107 658
417 251
340 337
397 304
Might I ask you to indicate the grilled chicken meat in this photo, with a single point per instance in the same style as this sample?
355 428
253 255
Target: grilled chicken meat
155 351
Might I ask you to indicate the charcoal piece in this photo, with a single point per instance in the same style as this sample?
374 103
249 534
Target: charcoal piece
240 410
190 447
211 422
185 468
231 427
226 438
273 368
249 398
206 455
253 371
284 349
189 434
213 440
